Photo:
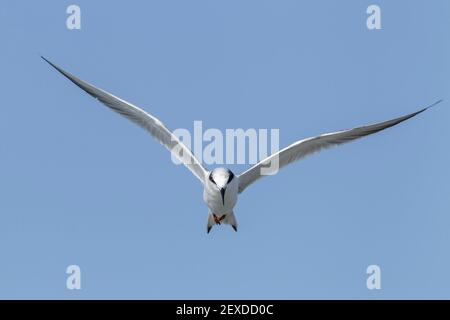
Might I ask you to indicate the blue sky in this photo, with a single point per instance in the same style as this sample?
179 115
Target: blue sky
81 185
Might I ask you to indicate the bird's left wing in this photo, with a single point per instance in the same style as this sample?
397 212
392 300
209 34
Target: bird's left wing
305 147
145 120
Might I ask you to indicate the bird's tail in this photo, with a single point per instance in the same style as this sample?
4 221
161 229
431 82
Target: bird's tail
229 218
210 222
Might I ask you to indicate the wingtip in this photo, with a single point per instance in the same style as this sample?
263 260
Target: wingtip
62 71
432 105
45 59
50 63
426 108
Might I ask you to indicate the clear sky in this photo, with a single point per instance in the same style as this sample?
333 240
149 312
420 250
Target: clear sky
81 185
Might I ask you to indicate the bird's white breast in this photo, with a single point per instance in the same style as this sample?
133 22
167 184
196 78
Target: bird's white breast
213 198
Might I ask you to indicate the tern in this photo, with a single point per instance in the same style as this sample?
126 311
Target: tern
221 185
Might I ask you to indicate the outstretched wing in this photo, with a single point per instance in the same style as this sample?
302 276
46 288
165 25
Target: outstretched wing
145 120
305 147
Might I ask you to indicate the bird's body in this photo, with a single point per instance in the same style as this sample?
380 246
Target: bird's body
221 186
220 194
216 202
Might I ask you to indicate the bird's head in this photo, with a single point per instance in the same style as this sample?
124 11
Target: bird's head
221 178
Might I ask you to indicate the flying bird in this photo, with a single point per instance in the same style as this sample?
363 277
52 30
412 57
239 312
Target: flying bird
221 185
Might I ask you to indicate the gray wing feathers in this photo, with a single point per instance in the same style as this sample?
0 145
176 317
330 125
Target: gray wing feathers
303 148
145 120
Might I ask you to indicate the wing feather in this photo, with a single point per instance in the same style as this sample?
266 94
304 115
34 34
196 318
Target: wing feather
305 147
145 120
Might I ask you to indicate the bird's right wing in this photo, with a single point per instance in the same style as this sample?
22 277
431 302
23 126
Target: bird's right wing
305 147
145 120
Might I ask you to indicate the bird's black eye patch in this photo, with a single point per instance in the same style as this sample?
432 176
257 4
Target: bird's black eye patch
230 177
211 179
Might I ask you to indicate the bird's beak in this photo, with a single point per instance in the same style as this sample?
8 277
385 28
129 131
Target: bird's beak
222 193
